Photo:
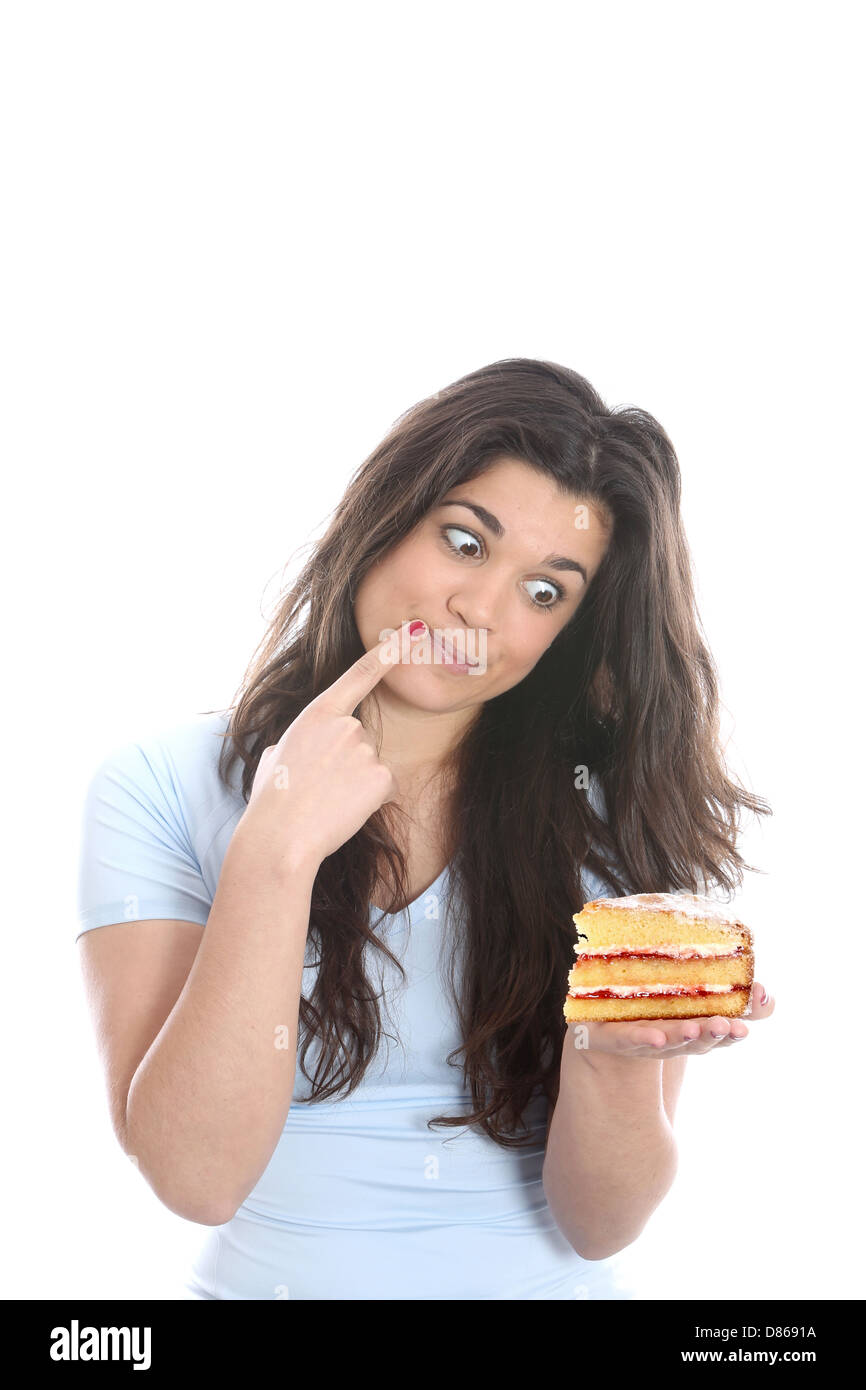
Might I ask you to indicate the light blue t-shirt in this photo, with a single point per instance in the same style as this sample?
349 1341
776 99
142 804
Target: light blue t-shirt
360 1200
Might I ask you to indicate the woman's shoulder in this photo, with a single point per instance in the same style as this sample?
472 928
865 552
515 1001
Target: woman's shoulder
179 760
196 741
154 808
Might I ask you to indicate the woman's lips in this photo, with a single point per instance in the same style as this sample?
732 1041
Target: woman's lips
449 656
444 653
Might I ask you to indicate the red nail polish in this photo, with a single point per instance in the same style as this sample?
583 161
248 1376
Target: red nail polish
417 628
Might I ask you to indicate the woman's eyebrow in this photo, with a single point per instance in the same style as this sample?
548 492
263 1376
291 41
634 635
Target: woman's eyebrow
556 562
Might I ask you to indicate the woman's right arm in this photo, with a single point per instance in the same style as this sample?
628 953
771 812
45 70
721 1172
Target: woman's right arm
207 1103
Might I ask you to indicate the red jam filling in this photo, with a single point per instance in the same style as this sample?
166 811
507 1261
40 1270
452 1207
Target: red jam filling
651 994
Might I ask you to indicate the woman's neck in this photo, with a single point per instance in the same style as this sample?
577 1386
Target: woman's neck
415 744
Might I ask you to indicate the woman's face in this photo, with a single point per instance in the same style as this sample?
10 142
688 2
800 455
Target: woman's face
495 571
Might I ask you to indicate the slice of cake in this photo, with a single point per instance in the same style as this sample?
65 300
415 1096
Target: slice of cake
659 955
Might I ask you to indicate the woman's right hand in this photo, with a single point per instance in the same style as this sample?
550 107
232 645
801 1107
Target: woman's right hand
315 788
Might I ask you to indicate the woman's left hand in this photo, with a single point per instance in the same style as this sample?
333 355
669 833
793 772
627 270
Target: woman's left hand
675 1037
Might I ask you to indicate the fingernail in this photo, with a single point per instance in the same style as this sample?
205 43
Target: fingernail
417 629
765 998
717 1035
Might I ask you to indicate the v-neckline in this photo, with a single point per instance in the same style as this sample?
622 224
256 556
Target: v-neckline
422 894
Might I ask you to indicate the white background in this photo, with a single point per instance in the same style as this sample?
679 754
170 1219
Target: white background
238 241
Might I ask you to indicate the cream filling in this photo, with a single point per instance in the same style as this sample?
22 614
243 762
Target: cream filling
624 991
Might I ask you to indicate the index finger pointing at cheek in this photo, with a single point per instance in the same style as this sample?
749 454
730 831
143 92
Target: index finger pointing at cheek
348 690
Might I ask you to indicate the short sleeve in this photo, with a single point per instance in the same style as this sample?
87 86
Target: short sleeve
136 861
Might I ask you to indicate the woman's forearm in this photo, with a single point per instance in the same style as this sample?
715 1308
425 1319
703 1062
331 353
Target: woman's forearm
611 1153
210 1097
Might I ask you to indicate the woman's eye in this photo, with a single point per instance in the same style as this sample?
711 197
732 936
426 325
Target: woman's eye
464 542
548 595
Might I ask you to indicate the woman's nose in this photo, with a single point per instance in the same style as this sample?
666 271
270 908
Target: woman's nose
477 608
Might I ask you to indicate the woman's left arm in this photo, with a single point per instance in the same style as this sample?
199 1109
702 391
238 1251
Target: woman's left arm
611 1154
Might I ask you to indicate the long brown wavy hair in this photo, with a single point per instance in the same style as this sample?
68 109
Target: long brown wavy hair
628 689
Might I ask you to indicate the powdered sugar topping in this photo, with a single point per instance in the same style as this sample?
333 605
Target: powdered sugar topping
685 904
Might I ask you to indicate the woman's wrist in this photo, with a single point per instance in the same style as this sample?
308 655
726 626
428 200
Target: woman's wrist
612 1083
254 853
611 1064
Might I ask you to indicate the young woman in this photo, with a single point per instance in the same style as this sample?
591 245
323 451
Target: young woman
484 701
